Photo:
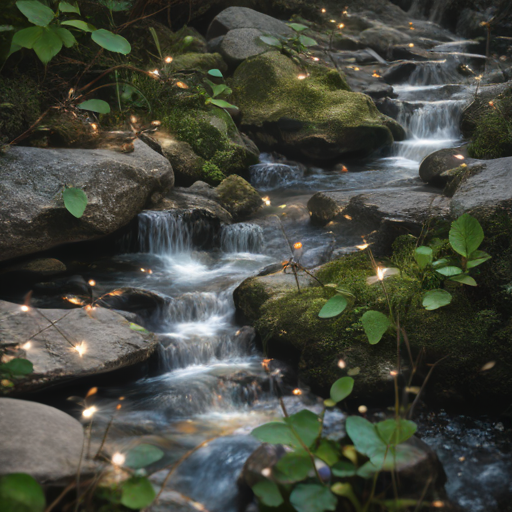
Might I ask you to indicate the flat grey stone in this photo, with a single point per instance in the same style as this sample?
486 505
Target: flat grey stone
240 44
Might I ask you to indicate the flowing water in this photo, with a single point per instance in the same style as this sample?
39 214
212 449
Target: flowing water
211 381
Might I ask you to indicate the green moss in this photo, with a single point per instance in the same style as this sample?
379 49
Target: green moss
199 62
212 174
238 196
178 45
19 105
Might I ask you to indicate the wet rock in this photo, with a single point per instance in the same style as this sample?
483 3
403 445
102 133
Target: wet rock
435 164
325 206
118 186
265 456
234 18
38 268
240 44
469 24
39 440
144 303
239 197
382 38
399 73
316 117
106 338
379 90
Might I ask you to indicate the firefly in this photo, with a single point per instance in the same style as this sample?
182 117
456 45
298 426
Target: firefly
80 349
118 459
411 45
380 273
92 282
266 472
316 59
459 157
488 366
348 217
376 75
89 412
491 103
297 392
182 85
266 200
27 345
168 60
362 247
362 409
341 25
438 504
94 126
297 245
324 10
332 21
393 373
156 123
24 308
133 119
155 72
341 364
302 76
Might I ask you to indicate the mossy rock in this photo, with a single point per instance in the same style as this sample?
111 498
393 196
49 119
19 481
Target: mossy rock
20 106
469 331
239 197
316 117
199 62
179 43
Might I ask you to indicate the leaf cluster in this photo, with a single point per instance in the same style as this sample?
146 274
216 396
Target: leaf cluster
292 46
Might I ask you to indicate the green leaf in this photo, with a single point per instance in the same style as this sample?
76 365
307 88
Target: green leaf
464 279
64 35
394 431
307 41
450 271
111 42
312 498
344 469
156 40
19 492
80 25
67 7
466 235
345 489
47 46
100 106
275 432
222 104
271 40
298 27
293 467
219 89
333 307
187 41
328 451
306 425
342 388
142 455
375 324
215 72
75 201
137 492
138 328
329 403
423 256
477 258
36 12
363 435
367 470
440 263
27 37
268 493
435 299
17 367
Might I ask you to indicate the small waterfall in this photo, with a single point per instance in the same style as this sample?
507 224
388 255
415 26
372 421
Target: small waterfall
242 237
175 231
267 176
435 73
198 307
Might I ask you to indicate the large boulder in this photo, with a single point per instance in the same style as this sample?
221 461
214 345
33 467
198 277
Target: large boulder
382 38
313 116
70 344
39 440
434 165
239 197
234 18
118 187
240 44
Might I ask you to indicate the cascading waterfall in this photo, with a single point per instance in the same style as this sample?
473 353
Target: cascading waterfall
242 237
268 175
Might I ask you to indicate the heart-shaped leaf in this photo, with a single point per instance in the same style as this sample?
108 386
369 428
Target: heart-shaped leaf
435 299
423 256
27 37
99 106
137 492
333 307
306 425
47 46
217 73
375 324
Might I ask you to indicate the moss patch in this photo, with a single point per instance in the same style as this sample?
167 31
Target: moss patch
199 62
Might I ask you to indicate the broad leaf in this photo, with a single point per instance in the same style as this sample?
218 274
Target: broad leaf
333 307
423 256
293 467
298 27
99 106
17 367
435 299
137 492
395 431
27 37
219 89
328 451
138 328
440 263
268 493
47 46
143 455
64 35
363 435
272 41
306 425
19 492
344 469
341 389
466 235
67 7
375 324
464 279
449 271
275 433
111 42
477 258
36 12
222 103
80 25
215 72
307 41
75 201
312 498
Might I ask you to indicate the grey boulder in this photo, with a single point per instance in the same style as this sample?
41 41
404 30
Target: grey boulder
39 440
118 187
240 44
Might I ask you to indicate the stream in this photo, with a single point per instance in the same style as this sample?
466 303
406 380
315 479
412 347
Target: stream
211 386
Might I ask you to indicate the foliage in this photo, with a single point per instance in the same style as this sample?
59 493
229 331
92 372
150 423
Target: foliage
49 34
218 91
291 46
75 201
212 174
19 492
